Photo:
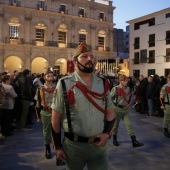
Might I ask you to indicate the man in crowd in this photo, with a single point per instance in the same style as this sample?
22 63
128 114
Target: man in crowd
122 100
165 105
43 97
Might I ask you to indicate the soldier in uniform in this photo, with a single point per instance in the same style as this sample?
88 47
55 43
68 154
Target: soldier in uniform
165 105
89 116
43 97
121 96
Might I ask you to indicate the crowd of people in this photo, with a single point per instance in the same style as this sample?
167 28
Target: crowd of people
79 103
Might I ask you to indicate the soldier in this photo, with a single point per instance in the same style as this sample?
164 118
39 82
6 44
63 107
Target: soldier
43 97
165 105
121 96
83 96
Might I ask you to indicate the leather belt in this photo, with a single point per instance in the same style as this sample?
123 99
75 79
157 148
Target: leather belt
81 139
120 106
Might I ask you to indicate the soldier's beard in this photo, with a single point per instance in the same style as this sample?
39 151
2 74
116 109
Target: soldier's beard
86 69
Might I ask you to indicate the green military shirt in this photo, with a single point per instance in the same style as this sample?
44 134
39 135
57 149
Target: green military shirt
86 119
48 96
164 91
118 97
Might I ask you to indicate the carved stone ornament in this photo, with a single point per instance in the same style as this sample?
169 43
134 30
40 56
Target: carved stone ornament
93 27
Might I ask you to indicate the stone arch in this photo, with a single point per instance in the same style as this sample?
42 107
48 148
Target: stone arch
39 65
14 21
61 66
62 26
101 32
12 63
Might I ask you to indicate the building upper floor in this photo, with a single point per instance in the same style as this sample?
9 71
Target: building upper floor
21 23
78 8
150 38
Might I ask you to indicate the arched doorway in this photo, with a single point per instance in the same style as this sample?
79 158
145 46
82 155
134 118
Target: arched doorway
60 66
39 65
13 63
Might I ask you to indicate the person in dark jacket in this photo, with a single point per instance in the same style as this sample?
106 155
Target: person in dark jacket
142 94
162 81
150 95
26 95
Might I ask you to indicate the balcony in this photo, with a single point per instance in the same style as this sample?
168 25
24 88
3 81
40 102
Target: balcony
13 40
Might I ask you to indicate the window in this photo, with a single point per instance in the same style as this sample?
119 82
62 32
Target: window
14 2
62 9
167 55
143 56
41 5
151 58
61 37
101 16
167 15
151 72
167 37
81 12
136 58
151 22
14 24
13 32
136 43
101 42
167 72
82 37
136 73
40 35
151 40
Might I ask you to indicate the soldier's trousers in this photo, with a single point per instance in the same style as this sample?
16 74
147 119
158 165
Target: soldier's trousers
80 154
46 123
166 119
124 115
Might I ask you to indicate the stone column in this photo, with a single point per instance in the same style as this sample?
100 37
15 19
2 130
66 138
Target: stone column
27 29
2 60
27 60
1 25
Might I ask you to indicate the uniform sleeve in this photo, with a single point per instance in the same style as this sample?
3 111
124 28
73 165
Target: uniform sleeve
58 101
162 92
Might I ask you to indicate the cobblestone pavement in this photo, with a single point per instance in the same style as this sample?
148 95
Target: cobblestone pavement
25 149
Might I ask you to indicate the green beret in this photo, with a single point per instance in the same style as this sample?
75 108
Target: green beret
82 48
122 77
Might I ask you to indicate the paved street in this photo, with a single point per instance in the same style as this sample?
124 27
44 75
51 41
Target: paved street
25 149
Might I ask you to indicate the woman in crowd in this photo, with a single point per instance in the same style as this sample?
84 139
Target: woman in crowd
7 113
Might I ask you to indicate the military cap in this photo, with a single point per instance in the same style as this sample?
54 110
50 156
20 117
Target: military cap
49 70
122 77
82 48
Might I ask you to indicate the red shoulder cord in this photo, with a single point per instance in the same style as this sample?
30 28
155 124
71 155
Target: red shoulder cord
124 94
48 91
87 94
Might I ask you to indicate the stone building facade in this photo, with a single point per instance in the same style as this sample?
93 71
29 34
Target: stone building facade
150 44
41 33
